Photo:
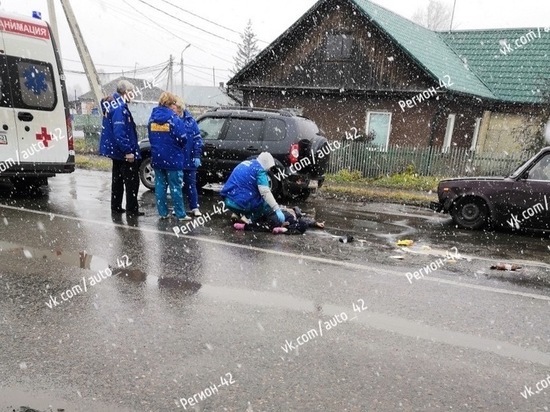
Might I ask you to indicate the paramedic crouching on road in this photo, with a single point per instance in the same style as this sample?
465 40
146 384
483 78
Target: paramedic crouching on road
247 191
119 142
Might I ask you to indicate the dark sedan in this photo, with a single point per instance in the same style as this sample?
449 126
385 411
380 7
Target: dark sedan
519 201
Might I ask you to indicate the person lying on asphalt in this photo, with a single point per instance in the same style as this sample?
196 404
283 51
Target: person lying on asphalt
296 223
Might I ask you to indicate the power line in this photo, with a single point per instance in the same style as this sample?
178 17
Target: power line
205 67
209 21
175 35
132 68
189 24
200 17
97 64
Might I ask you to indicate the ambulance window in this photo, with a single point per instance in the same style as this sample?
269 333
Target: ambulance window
34 88
5 96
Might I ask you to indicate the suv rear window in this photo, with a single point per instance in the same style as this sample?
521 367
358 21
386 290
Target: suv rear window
246 130
275 129
306 129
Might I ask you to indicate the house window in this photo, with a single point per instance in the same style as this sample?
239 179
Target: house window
448 133
476 134
339 47
378 129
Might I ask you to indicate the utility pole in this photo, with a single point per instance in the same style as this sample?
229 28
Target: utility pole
87 62
53 24
182 83
170 80
452 17
214 76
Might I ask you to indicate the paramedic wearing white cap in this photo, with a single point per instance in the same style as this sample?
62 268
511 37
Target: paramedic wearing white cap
247 191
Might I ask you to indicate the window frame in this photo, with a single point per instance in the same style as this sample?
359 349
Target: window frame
267 127
475 136
222 128
232 119
449 129
341 57
367 124
15 85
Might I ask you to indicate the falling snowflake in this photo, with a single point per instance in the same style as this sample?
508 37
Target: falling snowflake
35 80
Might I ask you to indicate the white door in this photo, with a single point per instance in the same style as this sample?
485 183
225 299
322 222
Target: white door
8 132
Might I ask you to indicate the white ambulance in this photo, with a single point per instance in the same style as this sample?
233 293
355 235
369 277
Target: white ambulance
36 139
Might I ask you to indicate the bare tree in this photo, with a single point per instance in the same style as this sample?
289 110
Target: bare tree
436 16
247 50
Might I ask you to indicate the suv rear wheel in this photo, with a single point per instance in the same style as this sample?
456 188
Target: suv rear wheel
147 174
275 186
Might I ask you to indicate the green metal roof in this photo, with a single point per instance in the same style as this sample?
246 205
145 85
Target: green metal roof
516 74
427 48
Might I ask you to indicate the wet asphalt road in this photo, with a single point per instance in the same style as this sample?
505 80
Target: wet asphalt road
217 307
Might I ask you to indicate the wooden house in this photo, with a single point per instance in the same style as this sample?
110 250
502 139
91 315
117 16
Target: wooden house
352 63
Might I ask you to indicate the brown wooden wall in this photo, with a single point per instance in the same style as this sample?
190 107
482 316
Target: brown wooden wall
413 126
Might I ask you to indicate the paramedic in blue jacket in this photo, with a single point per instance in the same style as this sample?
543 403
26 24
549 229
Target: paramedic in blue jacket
247 191
119 141
167 138
192 161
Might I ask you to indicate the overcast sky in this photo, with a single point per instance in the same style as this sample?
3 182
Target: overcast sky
125 34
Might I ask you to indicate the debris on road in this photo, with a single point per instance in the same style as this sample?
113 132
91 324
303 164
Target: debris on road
506 266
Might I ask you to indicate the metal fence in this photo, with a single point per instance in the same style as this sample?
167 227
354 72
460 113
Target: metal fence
426 161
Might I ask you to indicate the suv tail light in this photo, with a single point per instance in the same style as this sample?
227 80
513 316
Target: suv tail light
294 153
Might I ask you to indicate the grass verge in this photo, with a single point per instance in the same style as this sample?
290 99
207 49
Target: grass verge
408 187
363 193
93 162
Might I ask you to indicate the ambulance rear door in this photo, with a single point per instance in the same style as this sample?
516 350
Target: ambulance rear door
8 133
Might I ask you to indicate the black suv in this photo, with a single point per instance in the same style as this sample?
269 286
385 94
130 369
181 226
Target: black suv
234 134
